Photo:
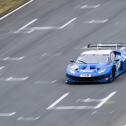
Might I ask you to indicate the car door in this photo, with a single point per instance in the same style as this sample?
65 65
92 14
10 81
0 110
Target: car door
123 56
119 62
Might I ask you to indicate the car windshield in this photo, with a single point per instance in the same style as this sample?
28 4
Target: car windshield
92 58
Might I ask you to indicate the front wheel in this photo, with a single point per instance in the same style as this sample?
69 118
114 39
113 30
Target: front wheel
112 75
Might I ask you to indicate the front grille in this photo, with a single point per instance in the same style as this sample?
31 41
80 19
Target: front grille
86 79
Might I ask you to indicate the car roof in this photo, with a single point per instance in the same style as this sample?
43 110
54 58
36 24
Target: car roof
97 52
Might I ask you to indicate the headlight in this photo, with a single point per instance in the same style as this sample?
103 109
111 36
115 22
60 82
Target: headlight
101 71
73 68
72 71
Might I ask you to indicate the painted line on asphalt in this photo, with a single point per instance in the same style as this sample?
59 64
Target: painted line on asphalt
25 26
44 28
13 58
16 79
7 114
54 81
44 54
51 54
21 118
41 28
73 107
2 67
32 29
45 82
69 22
16 10
93 113
88 100
101 103
90 6
97 21
105 100
102 113
41 82
57 101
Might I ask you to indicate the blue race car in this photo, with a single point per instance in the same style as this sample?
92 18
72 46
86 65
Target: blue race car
98 65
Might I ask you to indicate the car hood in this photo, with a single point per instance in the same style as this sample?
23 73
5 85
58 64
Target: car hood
86 68
90 67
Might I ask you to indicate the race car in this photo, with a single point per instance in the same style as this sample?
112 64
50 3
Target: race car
98 64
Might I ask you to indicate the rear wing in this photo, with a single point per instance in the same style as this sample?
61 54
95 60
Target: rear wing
107 45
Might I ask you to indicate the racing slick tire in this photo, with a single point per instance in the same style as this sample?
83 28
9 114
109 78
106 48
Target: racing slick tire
112 75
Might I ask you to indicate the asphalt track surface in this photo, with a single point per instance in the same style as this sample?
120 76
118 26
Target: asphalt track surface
36 43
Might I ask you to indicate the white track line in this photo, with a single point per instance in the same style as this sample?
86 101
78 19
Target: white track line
41 28
103 113
54 81
41 82
28 118
7 114
44 54
16 79
44 28
97 21
93 113
102 102
57 101
105 100
25 26
73 107
15 10
90 6
2 67
69 22
88 100
13 58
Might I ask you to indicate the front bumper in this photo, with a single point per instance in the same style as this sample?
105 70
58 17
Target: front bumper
101 78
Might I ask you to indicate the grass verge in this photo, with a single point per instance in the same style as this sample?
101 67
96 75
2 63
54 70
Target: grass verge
7 6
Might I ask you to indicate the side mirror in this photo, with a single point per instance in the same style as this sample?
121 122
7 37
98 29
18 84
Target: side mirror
72 61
